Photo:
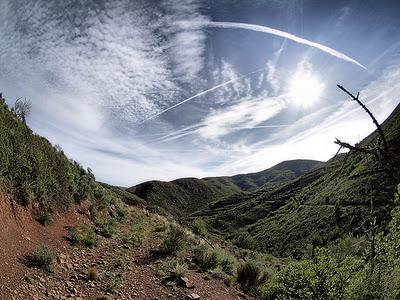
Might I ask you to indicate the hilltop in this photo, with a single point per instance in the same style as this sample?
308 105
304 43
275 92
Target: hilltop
187 195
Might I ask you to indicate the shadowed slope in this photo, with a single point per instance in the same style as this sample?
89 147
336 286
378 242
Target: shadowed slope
187 195
316 207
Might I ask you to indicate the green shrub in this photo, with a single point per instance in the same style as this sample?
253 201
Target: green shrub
323 278
250 275
122 213
83 235
199 227
228 263
44 258
45 218
245 240
105 227
113 283
209 259
129 240
205 257
176 240
173 271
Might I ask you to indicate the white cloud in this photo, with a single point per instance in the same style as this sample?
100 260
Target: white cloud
95 71
312 136
248 113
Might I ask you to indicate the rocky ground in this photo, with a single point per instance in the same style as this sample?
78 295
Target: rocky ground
111 270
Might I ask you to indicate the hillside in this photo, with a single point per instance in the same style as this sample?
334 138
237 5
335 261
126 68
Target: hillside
315 208
66 236
186 195
38 173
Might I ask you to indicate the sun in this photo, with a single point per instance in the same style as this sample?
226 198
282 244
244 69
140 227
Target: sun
305 89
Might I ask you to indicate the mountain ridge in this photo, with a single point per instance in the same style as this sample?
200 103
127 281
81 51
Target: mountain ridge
315 208
186 195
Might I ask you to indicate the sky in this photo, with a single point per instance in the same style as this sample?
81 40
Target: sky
140 90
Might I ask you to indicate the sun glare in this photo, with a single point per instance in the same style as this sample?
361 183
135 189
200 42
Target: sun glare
305 89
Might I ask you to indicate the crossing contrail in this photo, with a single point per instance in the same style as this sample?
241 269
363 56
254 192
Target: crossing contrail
202 93
269 30
194 129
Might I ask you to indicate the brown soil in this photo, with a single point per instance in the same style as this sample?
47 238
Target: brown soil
123 273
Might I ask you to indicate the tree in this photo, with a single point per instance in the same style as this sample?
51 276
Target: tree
22 109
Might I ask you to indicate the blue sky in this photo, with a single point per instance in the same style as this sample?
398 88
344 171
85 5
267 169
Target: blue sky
140 90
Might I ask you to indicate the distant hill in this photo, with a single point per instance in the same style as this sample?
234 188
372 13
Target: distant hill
313 209
186 195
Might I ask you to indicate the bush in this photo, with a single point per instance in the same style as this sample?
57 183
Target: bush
199 227
208 259
205 257
105 227
83 235
228 263
176 240
250 276
174 271
129 240
245 240
43 258
93 274
122 213
45 218
325 277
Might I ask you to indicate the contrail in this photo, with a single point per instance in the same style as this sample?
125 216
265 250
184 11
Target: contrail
259 28
202 93
194 129
265 29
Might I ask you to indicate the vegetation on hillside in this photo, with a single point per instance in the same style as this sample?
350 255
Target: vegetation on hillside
316 208
187 195
37 172
337 272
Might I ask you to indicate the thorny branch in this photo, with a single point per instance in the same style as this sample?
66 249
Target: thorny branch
369 225
378 126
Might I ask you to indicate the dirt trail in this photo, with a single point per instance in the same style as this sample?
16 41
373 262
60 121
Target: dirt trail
124 273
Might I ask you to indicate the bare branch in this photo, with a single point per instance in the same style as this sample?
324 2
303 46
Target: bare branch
378 126
355 148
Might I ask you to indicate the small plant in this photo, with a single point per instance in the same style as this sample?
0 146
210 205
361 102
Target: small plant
45 218
117 262
209 259
176 240
199 227
122 213
174 271
114 282
83 235
250 276
131 240
30 279
159 228
105 227
245 240
43 258
228 263
200 257
93 274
